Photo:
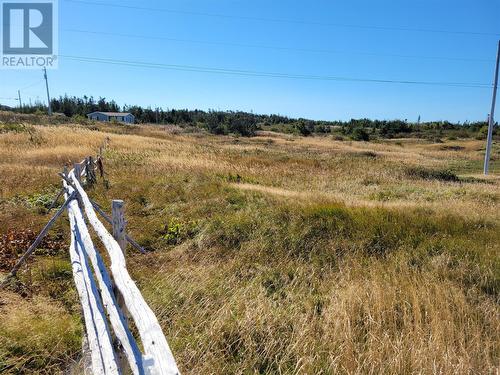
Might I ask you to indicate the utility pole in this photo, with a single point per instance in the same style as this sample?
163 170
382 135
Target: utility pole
20 102
47 86
156 115
491 121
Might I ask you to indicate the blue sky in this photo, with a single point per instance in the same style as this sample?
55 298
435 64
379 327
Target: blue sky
379 40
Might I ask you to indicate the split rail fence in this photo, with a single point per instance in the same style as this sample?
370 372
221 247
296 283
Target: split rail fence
109 300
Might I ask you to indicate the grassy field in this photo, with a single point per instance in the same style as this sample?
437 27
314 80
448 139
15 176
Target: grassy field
274 254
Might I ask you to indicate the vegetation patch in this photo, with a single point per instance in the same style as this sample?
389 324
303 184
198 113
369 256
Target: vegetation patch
280 277
15 242
445 175
36 336
452 148
367 154
15 128
175 232
360 134
41 201
329 230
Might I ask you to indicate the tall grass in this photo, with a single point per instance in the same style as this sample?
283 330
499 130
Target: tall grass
36 335
274 254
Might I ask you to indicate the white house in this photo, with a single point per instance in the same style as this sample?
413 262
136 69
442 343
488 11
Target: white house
110 116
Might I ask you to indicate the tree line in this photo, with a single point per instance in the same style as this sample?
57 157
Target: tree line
246 124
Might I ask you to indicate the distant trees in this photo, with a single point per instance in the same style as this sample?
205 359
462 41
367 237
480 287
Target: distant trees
360 134
241 123
304 128
246 124
72 106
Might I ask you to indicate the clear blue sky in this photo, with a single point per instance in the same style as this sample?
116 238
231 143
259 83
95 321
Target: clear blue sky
195 33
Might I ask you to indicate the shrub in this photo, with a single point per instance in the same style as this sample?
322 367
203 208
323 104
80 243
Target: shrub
231 122
483 133
303 128
79 119
175 232
15 128
360 134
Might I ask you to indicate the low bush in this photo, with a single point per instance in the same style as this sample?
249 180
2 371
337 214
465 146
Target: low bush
360 134
15 128
432 174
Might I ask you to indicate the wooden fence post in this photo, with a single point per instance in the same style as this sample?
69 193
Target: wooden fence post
78 171
119 224
90 172
86 169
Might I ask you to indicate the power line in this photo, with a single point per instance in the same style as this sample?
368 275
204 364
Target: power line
31 85
253 73
279 20
29 93
279 48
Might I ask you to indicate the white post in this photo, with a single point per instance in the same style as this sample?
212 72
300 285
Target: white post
119 223
491 121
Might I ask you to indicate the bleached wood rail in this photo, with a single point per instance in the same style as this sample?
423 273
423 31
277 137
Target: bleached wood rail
104 318
105 321
157 357
107 299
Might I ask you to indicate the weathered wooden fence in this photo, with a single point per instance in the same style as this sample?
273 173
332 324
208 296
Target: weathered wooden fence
109 300
111 343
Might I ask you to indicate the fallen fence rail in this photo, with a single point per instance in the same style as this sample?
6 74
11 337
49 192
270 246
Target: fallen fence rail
107 299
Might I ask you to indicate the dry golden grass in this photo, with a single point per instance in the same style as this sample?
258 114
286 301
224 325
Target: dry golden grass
274 254
41 333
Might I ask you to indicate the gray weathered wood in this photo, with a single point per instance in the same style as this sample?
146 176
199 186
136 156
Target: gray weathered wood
85 166
90 173
119 223
110 221
134 244
103 359
158 356
116 317
77 168
99 210
61 192
81 288
86 359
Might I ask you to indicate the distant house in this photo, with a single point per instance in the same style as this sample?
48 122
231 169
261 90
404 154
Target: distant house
112 116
